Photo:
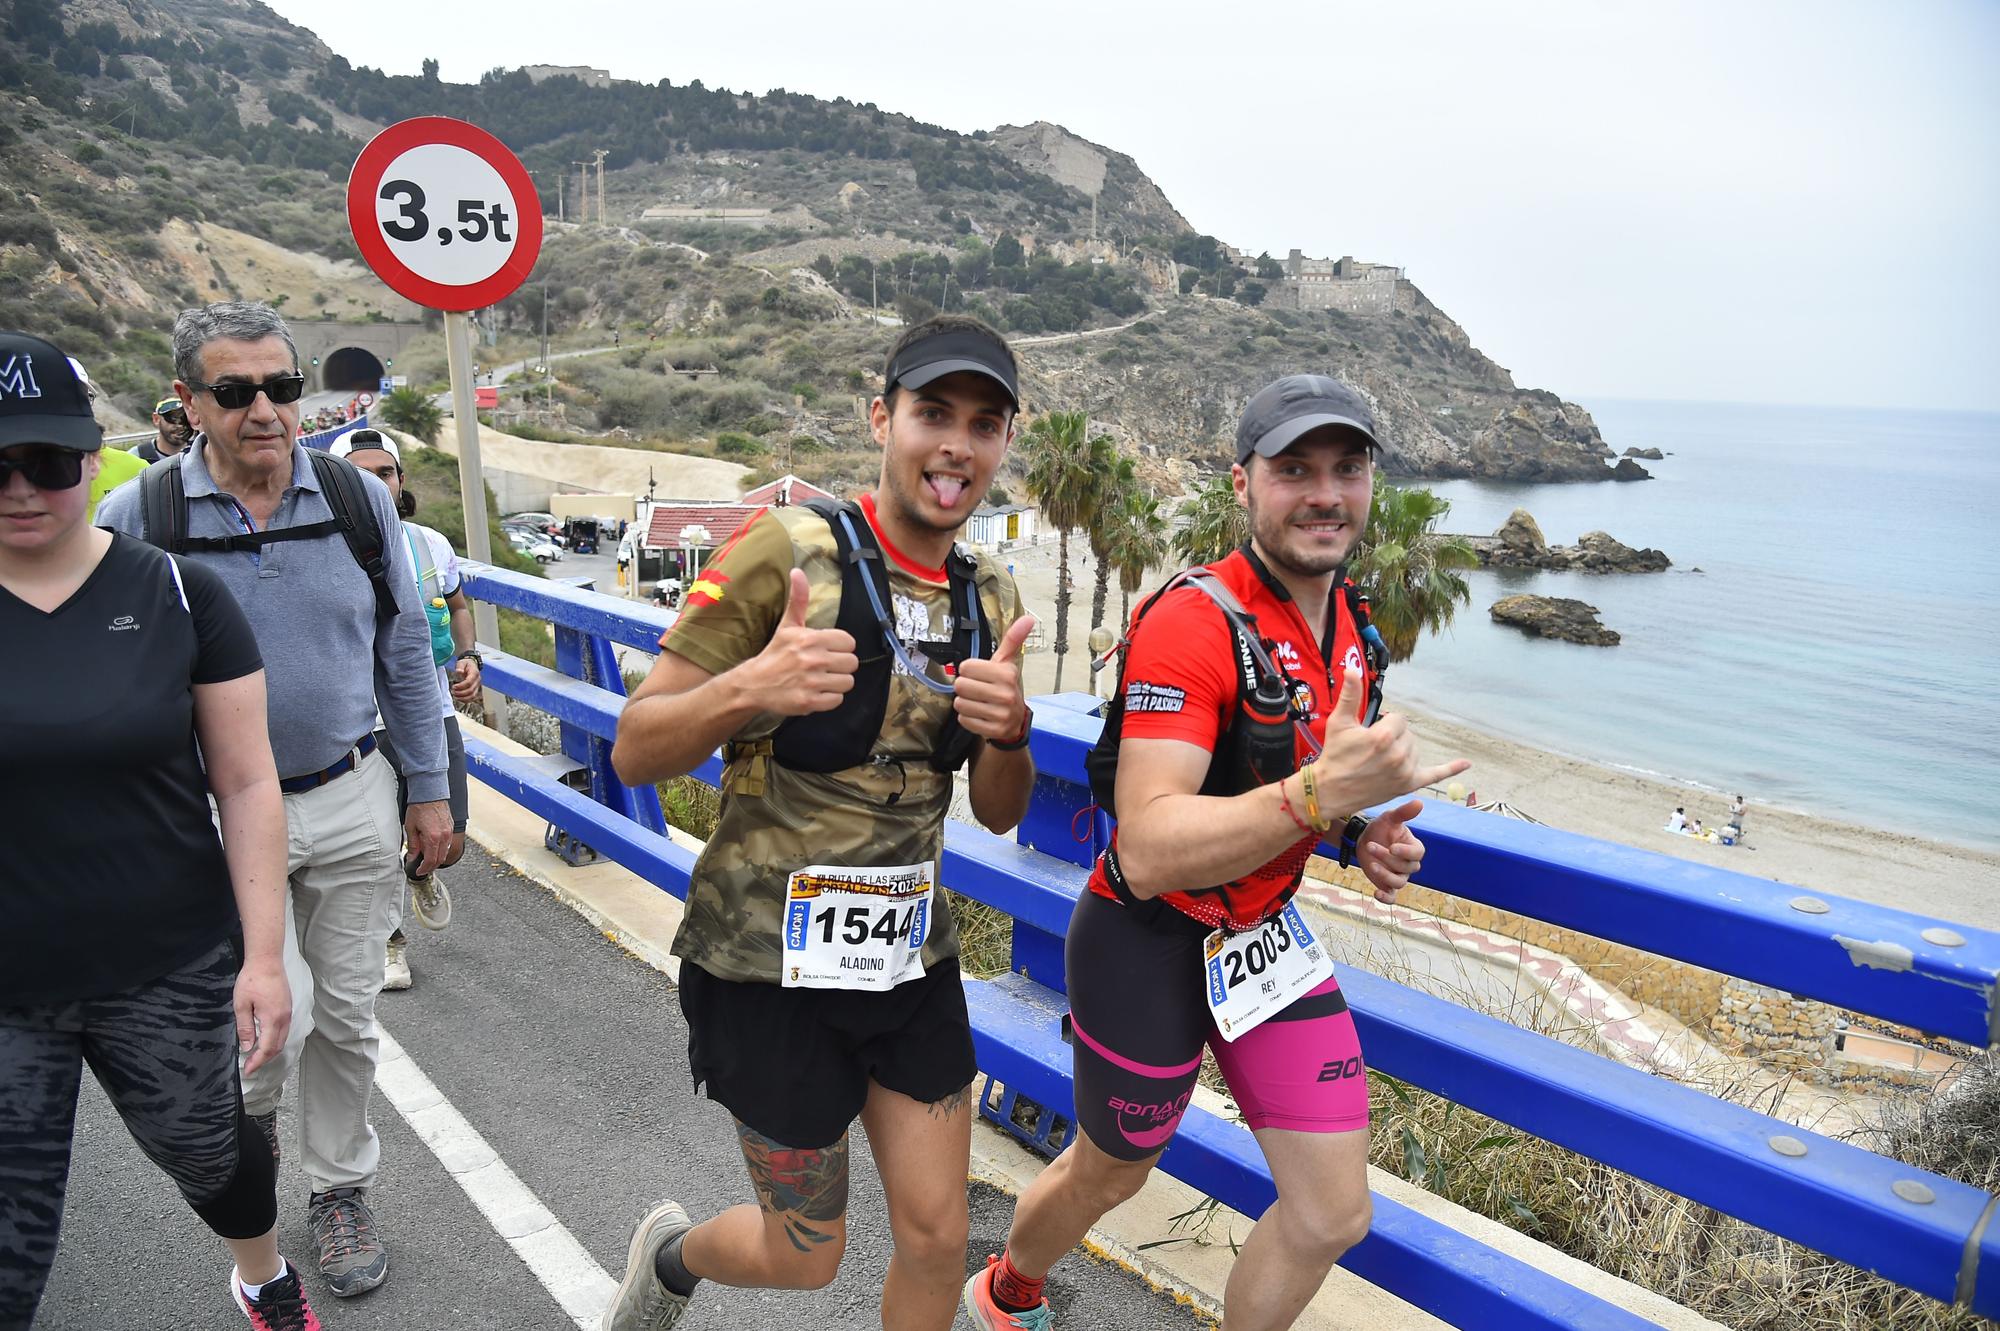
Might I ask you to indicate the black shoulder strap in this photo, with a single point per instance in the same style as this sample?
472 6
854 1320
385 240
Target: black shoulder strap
340 482
855 547
163 505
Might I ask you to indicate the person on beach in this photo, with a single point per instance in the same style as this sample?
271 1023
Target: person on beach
851 656
456 657
154 955
1677 820
333 602
1222 790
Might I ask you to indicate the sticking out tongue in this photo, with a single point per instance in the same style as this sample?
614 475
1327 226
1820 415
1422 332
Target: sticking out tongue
947 489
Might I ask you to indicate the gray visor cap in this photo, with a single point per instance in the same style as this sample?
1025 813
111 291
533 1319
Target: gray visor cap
925 374
1282 413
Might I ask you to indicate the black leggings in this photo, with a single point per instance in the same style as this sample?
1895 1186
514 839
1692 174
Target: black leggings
165 1054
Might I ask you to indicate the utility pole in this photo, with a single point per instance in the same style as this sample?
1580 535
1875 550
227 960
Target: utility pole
601 155
874 308
583 169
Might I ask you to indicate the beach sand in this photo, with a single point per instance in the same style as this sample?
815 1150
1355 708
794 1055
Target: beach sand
1899 868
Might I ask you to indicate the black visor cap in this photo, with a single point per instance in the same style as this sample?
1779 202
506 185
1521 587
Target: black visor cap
954 353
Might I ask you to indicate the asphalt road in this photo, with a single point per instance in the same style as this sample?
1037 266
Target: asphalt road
569 1057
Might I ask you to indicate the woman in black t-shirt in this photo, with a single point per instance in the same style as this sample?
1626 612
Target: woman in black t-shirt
122 942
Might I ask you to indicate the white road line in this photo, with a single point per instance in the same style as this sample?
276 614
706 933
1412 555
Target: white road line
566 1269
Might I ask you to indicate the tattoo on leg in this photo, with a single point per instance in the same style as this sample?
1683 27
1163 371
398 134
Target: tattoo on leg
950 1104
802 1186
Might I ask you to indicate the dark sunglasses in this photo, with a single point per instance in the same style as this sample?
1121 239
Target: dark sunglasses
282 389
45 468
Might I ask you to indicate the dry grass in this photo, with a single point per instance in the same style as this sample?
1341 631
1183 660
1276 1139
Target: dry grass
1712 1263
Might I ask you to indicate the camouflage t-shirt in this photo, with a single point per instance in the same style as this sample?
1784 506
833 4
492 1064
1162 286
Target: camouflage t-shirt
776 820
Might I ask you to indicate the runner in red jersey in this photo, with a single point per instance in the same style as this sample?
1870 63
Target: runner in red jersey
1187 936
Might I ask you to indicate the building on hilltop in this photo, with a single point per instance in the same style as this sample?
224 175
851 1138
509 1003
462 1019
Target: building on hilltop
1344 284
586 74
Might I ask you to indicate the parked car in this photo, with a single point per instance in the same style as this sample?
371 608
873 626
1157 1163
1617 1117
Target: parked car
542 522
534 545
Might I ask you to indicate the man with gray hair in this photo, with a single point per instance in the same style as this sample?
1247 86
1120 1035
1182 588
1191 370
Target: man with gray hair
335 612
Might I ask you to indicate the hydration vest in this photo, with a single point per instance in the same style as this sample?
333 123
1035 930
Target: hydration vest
1256 747
844 737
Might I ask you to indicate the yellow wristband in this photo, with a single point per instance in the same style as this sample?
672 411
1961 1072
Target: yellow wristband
1310 788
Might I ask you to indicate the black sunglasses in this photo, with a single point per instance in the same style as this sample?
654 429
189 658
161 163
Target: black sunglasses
282 389
45 468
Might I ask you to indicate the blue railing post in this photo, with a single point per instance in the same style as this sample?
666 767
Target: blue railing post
590 657
1061 824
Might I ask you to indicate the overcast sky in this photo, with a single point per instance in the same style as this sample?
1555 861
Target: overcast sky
1746 201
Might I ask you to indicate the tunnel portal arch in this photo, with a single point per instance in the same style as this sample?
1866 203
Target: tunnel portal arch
347 369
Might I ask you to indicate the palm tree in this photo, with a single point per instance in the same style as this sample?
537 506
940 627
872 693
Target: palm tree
1123 479
411 411
1409 569
1213 522
1061 471
1135 544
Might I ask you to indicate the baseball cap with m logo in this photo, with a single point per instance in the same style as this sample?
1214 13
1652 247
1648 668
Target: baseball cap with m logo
42 401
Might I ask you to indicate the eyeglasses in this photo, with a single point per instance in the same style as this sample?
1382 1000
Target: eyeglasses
282 389
45 468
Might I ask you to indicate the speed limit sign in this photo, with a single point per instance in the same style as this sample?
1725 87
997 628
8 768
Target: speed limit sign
444 213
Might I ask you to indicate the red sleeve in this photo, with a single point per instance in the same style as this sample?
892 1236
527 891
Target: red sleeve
1179 682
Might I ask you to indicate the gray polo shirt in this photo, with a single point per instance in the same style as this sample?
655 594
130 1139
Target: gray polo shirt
327 671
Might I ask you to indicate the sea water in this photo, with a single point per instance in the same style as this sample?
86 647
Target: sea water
1828 638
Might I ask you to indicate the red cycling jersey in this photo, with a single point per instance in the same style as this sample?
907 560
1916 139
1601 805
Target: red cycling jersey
1181 681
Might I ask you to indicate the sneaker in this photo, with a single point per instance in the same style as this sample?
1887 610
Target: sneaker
280 1306
268 1125
642 1302
430 901
990 1316
396 966
351 1256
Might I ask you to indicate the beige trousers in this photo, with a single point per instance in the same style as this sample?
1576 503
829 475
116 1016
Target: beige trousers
344 847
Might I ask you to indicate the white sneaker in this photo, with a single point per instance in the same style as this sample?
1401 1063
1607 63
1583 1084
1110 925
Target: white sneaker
396 968
430 901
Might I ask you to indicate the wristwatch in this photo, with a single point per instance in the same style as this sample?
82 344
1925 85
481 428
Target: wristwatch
470 654
1350 837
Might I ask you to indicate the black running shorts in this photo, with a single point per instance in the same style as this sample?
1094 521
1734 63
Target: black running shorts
794 1064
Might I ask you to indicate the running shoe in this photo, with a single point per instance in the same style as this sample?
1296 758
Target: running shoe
990 1316
430 901
642 1302
279 1306
351 1255
268 1125
396 965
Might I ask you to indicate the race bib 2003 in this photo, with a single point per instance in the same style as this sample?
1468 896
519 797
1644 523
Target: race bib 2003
1254 975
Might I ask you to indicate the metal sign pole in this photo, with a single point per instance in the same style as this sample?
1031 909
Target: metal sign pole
471 481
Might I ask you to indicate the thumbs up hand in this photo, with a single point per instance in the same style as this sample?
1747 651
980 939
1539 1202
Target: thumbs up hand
1362 766
804 670
990 702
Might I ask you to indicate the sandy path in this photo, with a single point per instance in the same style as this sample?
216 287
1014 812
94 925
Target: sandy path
603 468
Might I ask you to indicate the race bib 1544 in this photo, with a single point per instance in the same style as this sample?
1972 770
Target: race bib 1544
855 928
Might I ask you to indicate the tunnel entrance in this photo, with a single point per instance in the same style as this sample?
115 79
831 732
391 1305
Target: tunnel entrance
350 369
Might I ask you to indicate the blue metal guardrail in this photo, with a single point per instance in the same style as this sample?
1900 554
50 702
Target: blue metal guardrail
1920 1230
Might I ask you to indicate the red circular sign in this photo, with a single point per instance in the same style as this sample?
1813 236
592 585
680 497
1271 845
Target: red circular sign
444 213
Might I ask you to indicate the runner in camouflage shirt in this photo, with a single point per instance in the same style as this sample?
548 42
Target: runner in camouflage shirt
797 1039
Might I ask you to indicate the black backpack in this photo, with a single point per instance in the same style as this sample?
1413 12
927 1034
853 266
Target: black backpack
835 740
163 517
1257 747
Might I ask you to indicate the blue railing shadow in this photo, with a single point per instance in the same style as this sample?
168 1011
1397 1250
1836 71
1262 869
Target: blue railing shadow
1918 1229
